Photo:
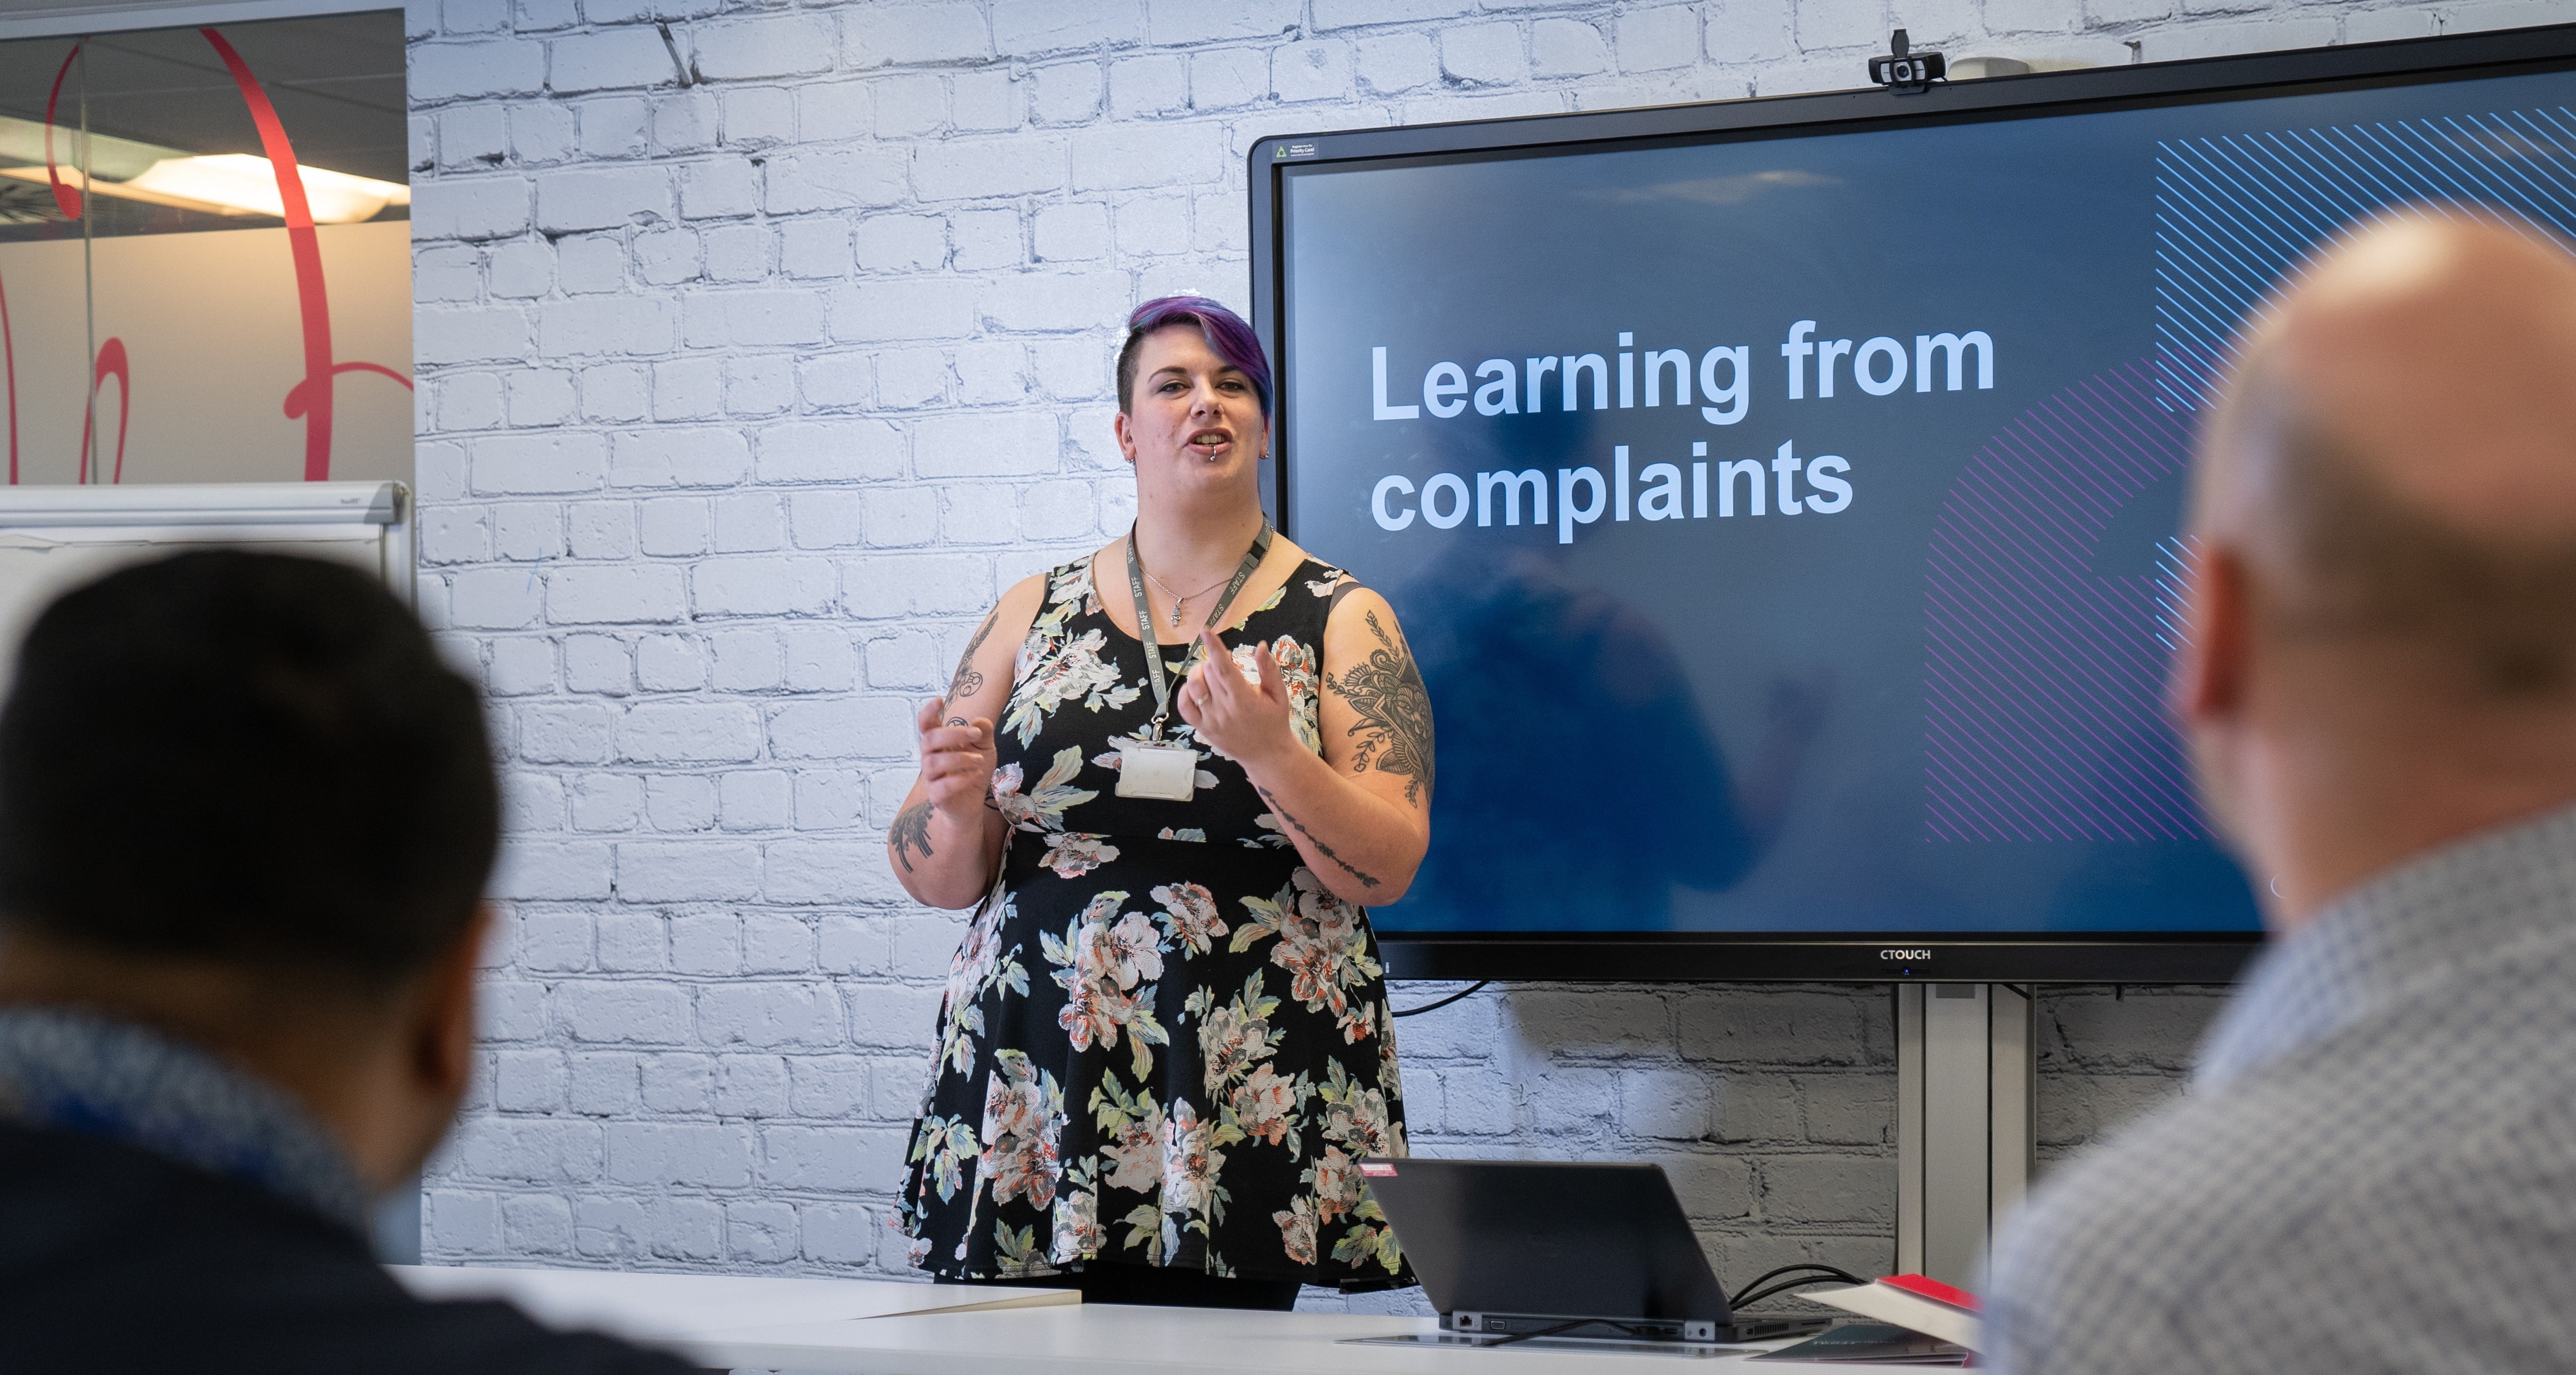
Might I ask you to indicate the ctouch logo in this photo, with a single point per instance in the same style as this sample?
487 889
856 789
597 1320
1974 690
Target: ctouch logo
1909 955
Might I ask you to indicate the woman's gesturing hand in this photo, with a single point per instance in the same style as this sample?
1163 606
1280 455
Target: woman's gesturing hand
957 759
1249 721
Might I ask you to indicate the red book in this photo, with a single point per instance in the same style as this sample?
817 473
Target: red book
1931 1288
1916 1303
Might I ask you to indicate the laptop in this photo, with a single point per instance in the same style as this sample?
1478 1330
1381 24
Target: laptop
1561 1249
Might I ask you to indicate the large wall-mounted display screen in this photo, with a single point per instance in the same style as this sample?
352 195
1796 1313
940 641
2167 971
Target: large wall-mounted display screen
1787 517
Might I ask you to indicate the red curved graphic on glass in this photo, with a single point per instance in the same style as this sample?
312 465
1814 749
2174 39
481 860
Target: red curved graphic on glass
111 363
9 366
65 198
295 395
310 399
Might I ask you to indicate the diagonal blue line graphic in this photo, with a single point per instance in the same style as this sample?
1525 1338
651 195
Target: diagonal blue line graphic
2238 212
2531 174
2044 714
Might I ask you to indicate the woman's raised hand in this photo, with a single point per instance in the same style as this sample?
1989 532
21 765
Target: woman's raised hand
957 759
1248 721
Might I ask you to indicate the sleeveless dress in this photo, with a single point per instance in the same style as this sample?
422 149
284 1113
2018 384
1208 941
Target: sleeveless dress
1163 1042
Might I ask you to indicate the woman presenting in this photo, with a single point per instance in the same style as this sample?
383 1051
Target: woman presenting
1165 1044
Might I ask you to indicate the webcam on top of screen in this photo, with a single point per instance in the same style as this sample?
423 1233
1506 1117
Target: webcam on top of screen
1907 72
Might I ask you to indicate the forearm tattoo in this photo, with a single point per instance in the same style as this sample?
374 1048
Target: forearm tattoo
1321 848
1394 728
968 682
911 831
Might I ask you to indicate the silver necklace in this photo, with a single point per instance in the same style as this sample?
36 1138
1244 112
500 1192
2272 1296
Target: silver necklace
1177 599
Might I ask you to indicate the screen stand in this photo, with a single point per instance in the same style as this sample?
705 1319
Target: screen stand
1966 1124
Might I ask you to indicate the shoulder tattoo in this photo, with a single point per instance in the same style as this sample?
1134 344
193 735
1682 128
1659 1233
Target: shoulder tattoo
968 681
911 831
1385 690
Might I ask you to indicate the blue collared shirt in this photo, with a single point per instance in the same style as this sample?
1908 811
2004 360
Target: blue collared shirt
76 1072
2375 1169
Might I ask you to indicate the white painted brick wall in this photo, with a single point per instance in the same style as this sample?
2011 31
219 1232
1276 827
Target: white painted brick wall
740 399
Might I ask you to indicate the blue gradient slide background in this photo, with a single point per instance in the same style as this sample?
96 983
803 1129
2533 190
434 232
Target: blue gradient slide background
1939 709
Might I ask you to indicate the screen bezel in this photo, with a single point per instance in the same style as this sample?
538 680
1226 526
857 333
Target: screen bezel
2019 957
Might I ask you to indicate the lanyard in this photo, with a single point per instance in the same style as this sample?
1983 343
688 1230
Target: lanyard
1145 615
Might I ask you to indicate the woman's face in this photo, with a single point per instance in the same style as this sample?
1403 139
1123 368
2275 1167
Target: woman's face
1193 422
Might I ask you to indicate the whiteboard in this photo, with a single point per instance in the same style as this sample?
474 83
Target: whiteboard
55 538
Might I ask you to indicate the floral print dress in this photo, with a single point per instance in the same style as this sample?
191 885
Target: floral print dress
1164 1042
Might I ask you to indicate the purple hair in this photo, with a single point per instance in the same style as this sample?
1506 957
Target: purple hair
1227 336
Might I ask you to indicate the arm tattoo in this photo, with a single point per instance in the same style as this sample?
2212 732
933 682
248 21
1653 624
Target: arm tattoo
1320 847
968 682
911 831
1394 708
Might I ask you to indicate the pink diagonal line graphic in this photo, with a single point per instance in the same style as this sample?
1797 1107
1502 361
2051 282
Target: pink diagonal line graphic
2044 681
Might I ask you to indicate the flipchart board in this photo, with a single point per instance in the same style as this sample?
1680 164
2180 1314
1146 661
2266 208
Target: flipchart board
55 538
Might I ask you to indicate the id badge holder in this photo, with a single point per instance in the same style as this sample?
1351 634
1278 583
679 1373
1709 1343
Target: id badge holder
1167 773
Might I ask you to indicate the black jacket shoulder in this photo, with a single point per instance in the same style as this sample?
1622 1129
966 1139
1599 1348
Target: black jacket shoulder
115 1260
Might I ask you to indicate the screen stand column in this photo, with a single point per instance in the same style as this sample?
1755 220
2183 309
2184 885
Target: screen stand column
1966 1125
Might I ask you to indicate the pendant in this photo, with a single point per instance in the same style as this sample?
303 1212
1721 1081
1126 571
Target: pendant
1176 614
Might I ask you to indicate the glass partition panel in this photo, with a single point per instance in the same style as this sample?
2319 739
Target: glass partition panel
205 260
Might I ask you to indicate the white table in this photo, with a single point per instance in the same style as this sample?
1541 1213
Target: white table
680 1312
889 1327
1102 1337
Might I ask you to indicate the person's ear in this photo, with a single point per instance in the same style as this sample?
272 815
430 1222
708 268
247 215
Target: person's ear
418 1080
1126 435
2211 669
442 1049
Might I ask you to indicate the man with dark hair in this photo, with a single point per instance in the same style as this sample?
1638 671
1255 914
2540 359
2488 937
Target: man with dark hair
2376 1167
246 816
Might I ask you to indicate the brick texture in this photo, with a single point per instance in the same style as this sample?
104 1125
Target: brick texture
752 366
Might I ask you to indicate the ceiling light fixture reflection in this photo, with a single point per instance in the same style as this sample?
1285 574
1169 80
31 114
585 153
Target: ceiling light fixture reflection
238 184
249 184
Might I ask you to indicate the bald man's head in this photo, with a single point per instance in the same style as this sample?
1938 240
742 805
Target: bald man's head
2396 456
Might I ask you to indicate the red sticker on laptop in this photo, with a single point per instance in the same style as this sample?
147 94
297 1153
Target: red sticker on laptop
1377 1169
